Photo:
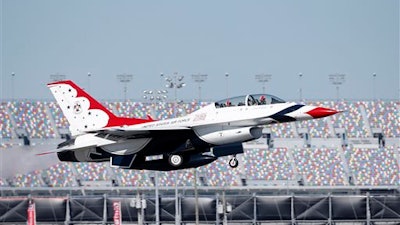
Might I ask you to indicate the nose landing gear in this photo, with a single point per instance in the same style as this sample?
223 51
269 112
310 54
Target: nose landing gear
233 162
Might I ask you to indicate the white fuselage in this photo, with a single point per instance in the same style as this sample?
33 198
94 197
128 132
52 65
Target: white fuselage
228 124
237 116
216 126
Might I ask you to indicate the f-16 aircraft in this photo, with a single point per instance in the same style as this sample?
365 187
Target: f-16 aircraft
194 140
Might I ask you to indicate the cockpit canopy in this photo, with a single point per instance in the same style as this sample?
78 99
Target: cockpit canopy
249 100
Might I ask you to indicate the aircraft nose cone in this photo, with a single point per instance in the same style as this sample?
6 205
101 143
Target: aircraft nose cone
319 112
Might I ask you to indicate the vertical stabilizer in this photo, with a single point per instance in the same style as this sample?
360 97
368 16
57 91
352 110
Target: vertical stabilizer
83 112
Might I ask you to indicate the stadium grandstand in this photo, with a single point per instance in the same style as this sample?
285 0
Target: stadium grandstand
356 151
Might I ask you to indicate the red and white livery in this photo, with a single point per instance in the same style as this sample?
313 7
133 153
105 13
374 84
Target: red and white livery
197 139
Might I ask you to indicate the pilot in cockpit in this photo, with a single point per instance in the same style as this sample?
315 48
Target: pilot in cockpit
263 100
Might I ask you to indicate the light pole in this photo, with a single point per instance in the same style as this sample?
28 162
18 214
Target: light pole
374 86
301 88
263 78
12 85
337 80
125 79
199 78
227 86
89 75
161 79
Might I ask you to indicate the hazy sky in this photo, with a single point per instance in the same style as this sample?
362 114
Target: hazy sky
242 38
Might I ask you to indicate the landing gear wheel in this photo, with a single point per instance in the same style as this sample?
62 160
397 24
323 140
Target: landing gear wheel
175 160
233 163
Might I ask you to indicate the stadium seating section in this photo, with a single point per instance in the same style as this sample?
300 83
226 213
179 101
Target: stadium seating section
5 125
315 166
320 166
33 117
268 164
373 166
59 175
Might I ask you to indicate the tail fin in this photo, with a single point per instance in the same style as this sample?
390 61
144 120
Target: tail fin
83 112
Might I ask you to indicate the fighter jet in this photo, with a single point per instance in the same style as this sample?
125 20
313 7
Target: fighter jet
190 141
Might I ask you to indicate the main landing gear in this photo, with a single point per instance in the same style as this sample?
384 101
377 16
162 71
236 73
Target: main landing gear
234 162
175 160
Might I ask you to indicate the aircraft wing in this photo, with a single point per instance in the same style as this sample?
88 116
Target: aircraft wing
138 132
